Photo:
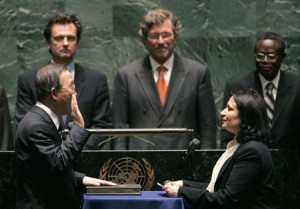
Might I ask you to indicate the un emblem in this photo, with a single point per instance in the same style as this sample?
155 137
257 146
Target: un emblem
128 171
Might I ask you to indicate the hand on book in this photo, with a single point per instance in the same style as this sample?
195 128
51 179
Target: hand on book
89 181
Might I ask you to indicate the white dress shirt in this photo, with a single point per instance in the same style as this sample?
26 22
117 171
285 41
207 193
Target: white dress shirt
231 147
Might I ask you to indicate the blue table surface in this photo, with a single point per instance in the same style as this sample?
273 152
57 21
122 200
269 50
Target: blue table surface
147 200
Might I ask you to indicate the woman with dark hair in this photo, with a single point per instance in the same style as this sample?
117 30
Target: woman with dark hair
244 175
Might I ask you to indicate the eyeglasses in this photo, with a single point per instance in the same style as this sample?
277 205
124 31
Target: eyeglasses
262 56
164 36
72 87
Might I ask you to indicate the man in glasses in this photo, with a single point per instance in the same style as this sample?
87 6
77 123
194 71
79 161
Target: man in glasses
45 176
280 89
62 36
164 90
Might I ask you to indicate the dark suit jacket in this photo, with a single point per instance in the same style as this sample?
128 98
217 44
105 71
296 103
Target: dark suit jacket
246 180
92 96
44 163
6 137
189 104
285 131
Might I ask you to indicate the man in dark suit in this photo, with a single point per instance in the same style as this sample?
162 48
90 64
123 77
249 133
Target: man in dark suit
269 54
178 97
62 35
6 138
45 176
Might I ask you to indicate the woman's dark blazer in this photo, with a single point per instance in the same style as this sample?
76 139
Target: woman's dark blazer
245 181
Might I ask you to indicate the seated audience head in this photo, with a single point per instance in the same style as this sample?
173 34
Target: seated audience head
245 116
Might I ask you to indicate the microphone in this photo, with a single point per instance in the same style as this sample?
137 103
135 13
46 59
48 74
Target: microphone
194 144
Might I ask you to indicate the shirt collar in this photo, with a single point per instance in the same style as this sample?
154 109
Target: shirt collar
264 82
168 64
52 115
70 67
232 144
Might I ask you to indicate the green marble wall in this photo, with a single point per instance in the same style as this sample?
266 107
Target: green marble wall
220 33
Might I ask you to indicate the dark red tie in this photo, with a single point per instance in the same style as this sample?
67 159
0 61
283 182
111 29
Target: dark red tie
161 84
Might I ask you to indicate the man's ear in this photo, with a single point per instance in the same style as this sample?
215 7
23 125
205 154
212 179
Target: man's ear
54 92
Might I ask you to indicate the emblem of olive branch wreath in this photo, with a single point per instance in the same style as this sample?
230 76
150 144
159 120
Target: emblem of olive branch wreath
128 171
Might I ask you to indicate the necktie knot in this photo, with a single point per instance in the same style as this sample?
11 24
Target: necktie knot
161 70
270 86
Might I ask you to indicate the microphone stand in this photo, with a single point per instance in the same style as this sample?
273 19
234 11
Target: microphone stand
190 166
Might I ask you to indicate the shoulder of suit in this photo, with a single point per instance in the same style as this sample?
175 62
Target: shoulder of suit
189 61
290 75
87 70
241 77
34 113
189 65
29 74
136 64
254 145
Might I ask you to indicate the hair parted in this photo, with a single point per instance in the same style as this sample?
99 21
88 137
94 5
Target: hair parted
62 18
158 16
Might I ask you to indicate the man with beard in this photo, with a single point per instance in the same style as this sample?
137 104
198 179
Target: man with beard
163 90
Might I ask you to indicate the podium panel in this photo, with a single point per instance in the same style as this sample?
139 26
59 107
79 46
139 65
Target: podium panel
148 167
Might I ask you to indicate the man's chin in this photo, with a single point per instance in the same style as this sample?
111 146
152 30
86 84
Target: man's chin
267 75
162 57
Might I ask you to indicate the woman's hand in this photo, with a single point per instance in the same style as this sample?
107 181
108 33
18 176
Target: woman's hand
174 183
171 190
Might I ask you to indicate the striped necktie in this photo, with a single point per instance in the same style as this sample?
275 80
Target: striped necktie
270 101
161 84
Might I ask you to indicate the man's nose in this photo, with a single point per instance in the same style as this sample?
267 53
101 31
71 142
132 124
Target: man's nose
66 42
160 40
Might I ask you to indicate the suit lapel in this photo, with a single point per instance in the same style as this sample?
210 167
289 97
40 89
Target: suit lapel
79 79
147 84
227 162
175 85
283 95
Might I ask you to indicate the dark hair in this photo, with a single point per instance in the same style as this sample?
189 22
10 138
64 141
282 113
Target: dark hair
253 116
48 77
158 16
62 18
276 37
